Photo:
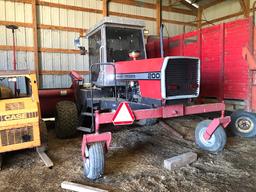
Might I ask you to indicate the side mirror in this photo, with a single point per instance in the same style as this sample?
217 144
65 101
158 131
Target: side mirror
77 44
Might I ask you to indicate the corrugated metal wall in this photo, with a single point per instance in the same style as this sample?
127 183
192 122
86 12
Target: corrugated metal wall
19 12
64 39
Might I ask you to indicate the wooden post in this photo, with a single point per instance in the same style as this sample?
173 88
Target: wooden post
105 8
35 36
199 17
158 16
245 5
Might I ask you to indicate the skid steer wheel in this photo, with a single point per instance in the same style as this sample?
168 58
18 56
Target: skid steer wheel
217 141
243 123
43 135
94 161
66 120
147 122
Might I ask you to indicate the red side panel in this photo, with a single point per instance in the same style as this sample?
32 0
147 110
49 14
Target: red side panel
150 89
174 46
150 48
236 68
209 47
191 45
210 63
139 66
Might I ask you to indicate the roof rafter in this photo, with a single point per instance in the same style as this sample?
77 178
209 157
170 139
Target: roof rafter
213 3
245 5
189 5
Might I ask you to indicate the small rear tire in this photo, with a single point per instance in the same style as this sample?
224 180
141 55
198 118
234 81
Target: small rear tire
243 124
94 161
66 120
217 141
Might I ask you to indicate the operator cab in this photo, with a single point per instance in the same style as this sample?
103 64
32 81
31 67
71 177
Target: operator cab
114 38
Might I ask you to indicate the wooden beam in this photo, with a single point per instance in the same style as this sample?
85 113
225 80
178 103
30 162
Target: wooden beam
21 1
75 187
59 50
135 3
223 18
179 22
178 10
190 6
132 16
18 48
35 38
105 8
69 7
158 15
199 17
245 5
56 72
62 28
46 50
43 26
212 3
152 6
19 24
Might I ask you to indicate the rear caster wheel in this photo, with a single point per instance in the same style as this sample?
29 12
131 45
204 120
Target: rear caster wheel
243 123
217 141
94 161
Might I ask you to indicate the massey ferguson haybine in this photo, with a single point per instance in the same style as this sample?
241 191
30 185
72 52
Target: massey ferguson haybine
126 87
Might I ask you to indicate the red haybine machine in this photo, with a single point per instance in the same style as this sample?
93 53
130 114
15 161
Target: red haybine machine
123 81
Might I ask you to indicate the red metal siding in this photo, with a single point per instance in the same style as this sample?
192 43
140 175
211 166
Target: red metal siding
220 48
236 68
210 62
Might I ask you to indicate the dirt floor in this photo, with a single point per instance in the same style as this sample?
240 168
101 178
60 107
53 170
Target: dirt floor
135 163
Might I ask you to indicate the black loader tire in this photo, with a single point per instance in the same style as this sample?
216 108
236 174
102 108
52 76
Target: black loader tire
95 161
216 143
243 124
66 120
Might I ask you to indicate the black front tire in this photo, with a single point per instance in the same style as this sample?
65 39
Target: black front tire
243 124
217 141
66 120
94 161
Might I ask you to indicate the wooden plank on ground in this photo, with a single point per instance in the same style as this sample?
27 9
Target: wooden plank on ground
180 161
47 161
79 187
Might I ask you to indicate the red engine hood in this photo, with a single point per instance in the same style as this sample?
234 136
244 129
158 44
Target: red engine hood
139 66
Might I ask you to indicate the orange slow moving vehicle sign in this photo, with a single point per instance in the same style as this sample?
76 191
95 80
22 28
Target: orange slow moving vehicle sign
123 115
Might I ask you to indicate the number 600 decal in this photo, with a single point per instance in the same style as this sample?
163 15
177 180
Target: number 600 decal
154 75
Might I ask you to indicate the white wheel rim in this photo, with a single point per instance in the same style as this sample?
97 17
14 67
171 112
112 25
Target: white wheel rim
87 160
244 124
208 143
